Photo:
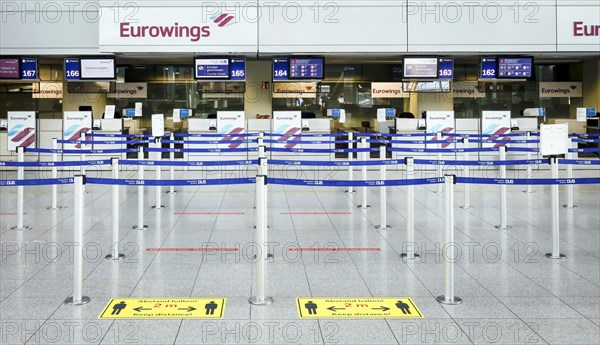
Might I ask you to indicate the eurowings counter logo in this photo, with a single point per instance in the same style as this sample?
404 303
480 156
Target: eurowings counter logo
74 133
223 19
231 133
494 133
446 130
23 136
290 132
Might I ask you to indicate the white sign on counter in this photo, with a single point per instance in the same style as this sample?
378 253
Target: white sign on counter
109 111
76 123
554 139
158 125
21 129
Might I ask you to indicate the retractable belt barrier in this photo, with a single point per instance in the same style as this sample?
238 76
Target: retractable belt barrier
243 149
309 142
188 182
104 142
80 152
214 135
322 135
291 149
187 163
336 163
206 142
55 164
36 182
533 181
353 183
108 135
447 150
480 163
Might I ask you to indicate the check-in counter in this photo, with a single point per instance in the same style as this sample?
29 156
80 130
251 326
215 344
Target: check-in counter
405 126
209 126
314 126
109 126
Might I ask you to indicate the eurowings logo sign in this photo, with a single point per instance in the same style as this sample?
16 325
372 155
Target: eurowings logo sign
231 124
223 19
76 123
440 122
21 129
494 124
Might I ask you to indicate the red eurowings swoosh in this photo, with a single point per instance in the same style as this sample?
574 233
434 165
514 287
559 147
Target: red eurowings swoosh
500 132
22 134
287 135
231 137
28 141
227 20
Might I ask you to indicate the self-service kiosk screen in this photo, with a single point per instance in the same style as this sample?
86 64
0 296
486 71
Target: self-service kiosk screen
515 67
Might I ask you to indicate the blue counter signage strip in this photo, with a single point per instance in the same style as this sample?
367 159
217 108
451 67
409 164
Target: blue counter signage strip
530 181
446 68
188 163
281 67
81 152
29 69
514 67
348 183
72 69
211 68
337 163
56 164
237 69
487 68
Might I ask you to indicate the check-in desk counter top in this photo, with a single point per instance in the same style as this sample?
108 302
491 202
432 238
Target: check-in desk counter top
406 126
205 126
110 126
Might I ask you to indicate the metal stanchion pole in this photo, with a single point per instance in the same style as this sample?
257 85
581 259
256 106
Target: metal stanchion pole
383 192
450 256
261 239
54 197
78 298
82 156
570 193
140 223
158 156
350 158
529 169
20 191
172 168
555 216
438 167
114 255
466 172
410 211
503 203
364 190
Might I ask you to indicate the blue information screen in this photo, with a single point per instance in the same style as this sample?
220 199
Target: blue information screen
237 69
488 68
306 68
446 68
281 68
212 68
29 68
515 67
72 69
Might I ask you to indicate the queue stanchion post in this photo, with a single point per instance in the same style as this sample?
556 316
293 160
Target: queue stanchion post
140 213
466 173
570 192
261 239
172 159
450 255
555 254
20 191
82 156
350 158
503 202
363 190
383 191
158 169
114 255
54 193
529 168
78 298
438 166
410 211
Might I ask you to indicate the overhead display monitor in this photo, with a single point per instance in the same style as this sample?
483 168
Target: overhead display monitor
420 67
29 69
514 67
306 68
9 68
487 68
97 69
445 68
211 68
237 69
72 69
281 68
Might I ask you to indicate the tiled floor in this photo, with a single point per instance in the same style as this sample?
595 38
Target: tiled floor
512 294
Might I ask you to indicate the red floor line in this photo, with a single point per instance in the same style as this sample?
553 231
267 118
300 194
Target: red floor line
10 213
192 249
316 212
210 213
334 249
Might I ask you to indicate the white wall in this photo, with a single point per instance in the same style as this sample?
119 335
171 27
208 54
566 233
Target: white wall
303 26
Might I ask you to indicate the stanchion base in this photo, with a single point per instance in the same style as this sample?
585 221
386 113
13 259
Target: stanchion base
254 301
110 257
414 256
569 206
529 192
254 227
25 227
54 208
269 256
350 191
455 301
158 207
174 192
559 257
84 300
363 207
144 227
467 207
500 227
438 191
382 228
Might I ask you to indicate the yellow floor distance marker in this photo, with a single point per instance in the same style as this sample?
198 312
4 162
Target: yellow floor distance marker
164 308
357 308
